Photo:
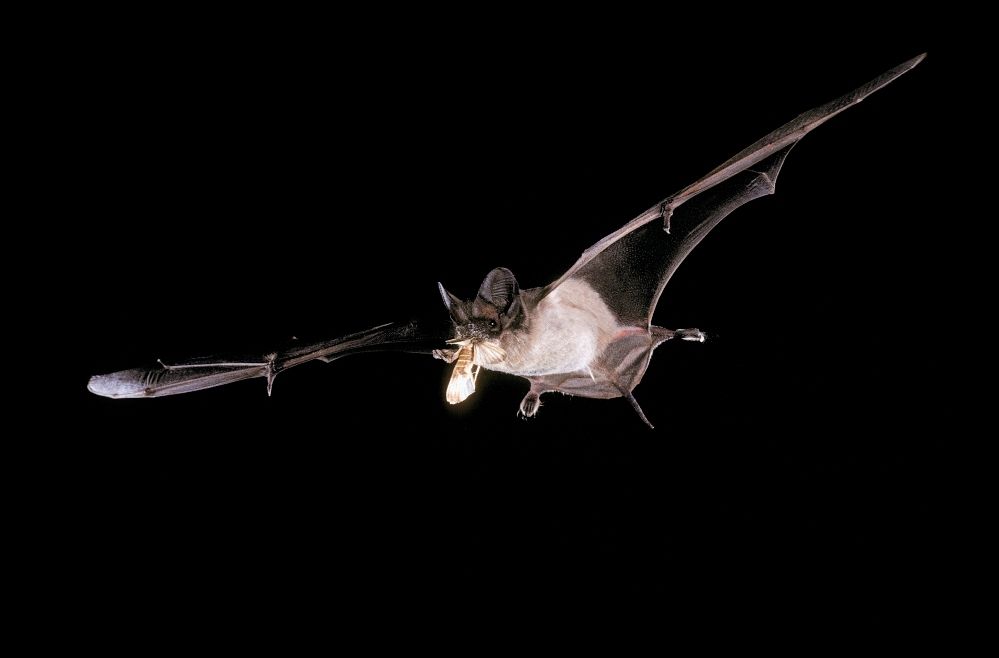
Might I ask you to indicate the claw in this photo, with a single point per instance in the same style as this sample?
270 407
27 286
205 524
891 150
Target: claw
665 212
272 372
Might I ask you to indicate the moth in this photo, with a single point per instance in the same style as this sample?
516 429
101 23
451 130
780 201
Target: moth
589 333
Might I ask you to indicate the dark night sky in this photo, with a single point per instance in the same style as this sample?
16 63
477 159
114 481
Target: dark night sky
246 191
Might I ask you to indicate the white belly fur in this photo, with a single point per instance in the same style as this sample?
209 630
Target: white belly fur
569 329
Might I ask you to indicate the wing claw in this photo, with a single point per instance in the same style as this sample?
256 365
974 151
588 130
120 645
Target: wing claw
666 212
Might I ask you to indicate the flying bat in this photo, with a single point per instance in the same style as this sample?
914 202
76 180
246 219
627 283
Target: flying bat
588 333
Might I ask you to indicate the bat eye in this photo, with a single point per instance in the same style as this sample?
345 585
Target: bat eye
492 324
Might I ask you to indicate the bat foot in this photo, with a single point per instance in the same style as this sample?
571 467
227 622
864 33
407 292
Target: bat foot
695 335
530 405
661 335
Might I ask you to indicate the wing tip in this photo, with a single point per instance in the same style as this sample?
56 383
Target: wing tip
115 385
904 67
102 385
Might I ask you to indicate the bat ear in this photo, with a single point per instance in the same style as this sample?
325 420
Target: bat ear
501 290
455 307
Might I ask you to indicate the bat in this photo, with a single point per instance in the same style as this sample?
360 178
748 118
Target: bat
589 333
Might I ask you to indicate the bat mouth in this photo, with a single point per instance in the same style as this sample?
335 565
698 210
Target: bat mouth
484 353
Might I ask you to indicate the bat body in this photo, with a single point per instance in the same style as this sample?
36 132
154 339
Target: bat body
570 340
589 333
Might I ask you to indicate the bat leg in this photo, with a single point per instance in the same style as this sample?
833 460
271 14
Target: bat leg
660 335
532 401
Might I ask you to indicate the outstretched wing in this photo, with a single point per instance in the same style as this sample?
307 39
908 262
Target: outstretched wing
631 266
197 374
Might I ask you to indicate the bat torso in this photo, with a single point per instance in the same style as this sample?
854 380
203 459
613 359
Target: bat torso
567 332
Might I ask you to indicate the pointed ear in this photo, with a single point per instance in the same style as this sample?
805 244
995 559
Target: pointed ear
501 290
455 307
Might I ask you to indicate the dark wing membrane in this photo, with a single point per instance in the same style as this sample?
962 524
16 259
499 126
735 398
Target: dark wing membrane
198 374
631 273
635 262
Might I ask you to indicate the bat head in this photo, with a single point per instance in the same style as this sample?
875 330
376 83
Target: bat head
496 308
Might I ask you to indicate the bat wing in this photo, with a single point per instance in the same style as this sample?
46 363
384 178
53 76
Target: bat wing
197 374
630 267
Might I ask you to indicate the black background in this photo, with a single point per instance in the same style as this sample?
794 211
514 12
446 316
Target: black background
239 186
